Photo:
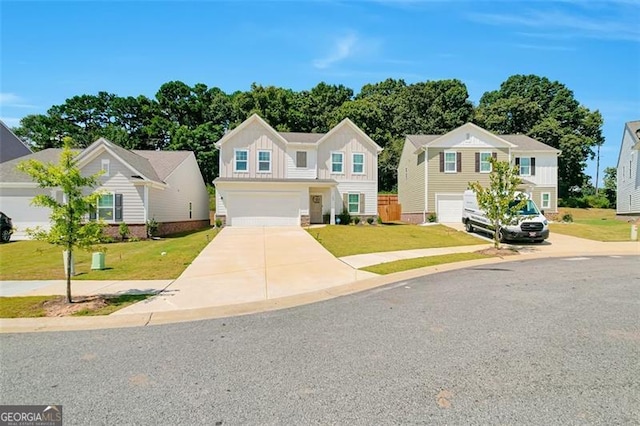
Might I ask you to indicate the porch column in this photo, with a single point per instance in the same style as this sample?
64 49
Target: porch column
332 217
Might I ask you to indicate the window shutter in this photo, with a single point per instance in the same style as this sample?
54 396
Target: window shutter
477 162
93 214
518 165
494 155
458 162
533 166
118 212
345 200
361 203
442 162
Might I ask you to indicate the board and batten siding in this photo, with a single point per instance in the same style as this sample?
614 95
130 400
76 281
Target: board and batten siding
184 185
347 141
370 191
456 183
628 176
119 182
411 180
546 167
253 138
309 172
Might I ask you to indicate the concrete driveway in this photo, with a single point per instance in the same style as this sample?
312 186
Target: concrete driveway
243 265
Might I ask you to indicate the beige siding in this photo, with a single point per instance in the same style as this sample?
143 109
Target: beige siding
370 191
347 141
454 183
537 198
254 137
411 183
184 185
119 182
309 172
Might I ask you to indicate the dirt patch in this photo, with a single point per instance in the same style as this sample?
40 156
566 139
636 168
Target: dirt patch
501 252
443 398
60 308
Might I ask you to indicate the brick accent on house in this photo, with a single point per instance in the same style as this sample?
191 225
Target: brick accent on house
305 220
165 228
223 219
414 218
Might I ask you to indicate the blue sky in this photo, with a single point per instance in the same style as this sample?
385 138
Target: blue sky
52 50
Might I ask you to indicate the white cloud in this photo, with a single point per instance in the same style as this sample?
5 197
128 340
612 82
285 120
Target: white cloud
342 49
13 100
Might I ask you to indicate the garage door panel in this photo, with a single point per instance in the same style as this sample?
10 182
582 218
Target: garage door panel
449 208
264 209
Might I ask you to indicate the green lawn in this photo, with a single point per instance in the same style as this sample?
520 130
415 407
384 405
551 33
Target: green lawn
343 240
33 306
593 224
35 260
421 262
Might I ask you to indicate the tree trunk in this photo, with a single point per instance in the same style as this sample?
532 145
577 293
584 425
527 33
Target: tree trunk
69 261
496 235
597 169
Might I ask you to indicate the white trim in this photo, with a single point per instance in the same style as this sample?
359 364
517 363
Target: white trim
353 163
247 122
542 206
488 162
349 194
258 161
341 172
520 166
455 161
358 130
235 160
113 206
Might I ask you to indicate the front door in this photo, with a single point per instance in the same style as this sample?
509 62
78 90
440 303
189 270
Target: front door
315 208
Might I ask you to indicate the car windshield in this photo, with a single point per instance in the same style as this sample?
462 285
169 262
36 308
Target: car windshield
528 209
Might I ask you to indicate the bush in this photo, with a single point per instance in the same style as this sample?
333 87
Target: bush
356 220
134 239
123 230
432 217
370 220
218 223
597 201
345 217
567 217
152 228
379 219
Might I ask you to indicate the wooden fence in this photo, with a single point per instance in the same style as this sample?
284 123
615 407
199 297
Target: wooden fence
388 207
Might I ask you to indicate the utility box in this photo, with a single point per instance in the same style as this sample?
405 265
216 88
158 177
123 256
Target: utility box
634 232
97 261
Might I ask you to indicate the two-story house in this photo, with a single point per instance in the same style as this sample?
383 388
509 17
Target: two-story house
270 178
435 170
628 174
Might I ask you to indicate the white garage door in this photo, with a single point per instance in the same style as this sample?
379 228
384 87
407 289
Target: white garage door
449 208
263 209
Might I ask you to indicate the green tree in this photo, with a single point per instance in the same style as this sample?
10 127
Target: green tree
611 185
547 111
68 229
497 200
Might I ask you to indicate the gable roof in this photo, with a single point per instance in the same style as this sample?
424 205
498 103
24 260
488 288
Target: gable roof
154 166
11 146
517 142
634 127
299 137
358 130
255 118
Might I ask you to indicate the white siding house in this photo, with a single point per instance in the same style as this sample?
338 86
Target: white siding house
270 178
628 172
137 186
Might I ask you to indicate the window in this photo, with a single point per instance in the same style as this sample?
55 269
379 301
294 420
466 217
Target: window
105 167
546 200
264 161
450 162
337 158
241 163
354 203
301 159
485 162
526 166
109 208
358 163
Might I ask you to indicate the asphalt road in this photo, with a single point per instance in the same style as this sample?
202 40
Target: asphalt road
528 342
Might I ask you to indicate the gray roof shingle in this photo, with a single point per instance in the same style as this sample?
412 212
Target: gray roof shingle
299 137
522 142
11 146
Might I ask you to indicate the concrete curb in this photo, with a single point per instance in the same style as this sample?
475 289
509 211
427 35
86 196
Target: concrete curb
26 325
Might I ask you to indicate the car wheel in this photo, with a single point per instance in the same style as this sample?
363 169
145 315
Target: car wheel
5 236
468 226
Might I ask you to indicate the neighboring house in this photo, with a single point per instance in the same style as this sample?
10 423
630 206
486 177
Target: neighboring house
10 145
138 186
435 170
628 174
270 178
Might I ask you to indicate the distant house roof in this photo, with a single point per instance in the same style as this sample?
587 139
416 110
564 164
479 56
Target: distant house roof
152 165
634 127
11 146
298 137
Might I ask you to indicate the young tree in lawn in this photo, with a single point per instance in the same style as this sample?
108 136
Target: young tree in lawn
68 228
499 200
